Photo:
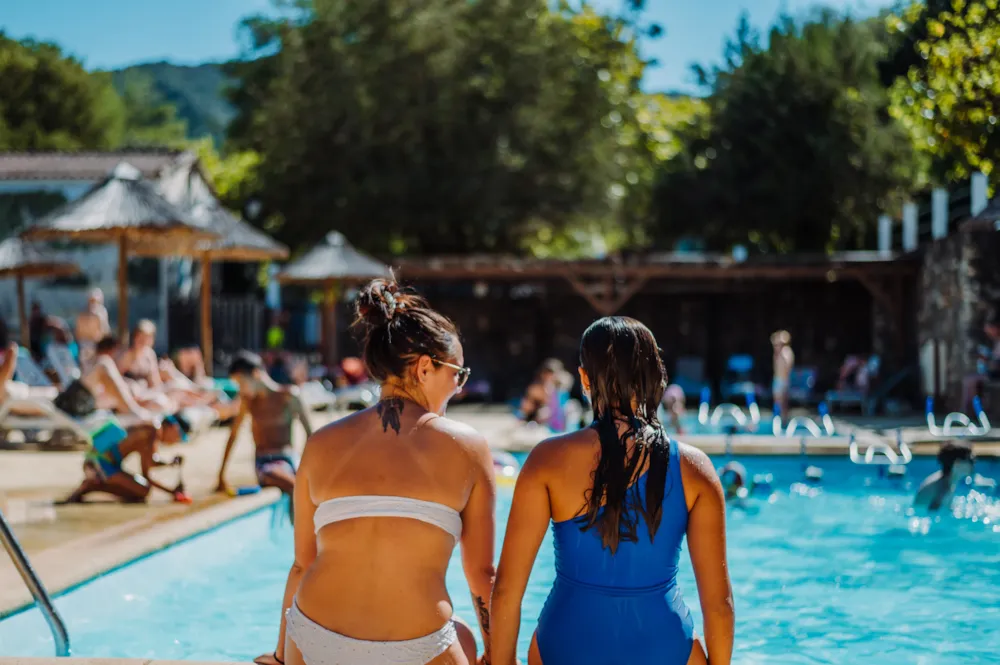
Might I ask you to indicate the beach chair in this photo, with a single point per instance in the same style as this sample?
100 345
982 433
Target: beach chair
62 362
737 380
689 374
802 385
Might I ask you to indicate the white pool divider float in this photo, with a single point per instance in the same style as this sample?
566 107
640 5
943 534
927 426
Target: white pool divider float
804 422
958 424
744 419
882 455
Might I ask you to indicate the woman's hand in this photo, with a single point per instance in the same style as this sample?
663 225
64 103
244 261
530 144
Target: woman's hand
268 659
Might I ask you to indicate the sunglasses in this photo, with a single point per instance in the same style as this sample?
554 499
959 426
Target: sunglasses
463 373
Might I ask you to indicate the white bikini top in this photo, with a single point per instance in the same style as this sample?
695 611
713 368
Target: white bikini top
352 507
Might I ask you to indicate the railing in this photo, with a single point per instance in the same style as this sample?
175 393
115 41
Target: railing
38 592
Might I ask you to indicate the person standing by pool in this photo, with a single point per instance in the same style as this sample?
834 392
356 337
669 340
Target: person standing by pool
957 463
621 496
273 410
784 361
381 499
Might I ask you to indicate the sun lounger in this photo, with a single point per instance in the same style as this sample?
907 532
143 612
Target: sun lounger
802 385
315 396
690 375
61 359
34 417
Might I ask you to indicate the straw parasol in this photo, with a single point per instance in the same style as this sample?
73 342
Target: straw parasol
123 209
237 241
327 266
21 259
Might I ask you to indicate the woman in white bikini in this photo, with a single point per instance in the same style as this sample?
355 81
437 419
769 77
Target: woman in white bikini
381 499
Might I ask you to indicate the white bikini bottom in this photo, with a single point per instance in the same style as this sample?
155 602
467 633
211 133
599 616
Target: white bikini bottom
320 646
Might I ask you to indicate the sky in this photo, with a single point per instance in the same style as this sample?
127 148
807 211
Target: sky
107 34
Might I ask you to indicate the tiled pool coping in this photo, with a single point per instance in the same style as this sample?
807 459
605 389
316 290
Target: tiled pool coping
82 559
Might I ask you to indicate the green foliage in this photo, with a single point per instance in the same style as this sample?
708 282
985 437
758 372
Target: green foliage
443 126
796 151
149 120
48 101
234 175
949 99
197 93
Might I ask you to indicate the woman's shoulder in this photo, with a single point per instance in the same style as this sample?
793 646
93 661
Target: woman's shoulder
563 452
696 467
459 432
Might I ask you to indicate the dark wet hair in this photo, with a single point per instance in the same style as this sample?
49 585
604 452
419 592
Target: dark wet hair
245 363
623 363
108 343
4 334
954 451
398 327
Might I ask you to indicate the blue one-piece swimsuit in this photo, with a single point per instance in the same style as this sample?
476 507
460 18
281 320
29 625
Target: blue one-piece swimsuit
623 608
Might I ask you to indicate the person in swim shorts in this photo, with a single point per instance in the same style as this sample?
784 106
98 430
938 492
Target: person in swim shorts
103 470
784 361
273 410
957 463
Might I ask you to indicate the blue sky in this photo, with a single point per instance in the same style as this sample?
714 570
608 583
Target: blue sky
113 33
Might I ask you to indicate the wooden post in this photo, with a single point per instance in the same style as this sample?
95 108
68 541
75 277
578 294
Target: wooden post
330 324
206 313
22 310
123 289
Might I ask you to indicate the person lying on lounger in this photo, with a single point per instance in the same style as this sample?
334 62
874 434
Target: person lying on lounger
273 410
957 462
103 472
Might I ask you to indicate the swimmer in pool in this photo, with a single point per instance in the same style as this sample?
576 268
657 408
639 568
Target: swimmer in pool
734 481
272 409
957 463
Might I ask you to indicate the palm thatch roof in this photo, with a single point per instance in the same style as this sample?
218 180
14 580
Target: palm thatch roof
25 259
122 205
332 261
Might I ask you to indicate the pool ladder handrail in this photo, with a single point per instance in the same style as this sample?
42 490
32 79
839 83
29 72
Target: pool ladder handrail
805 422
961 419
35 586
709 416
889 457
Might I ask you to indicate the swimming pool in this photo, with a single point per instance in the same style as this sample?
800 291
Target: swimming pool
839 573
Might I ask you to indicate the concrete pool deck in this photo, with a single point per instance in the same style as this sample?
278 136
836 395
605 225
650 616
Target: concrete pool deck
69 545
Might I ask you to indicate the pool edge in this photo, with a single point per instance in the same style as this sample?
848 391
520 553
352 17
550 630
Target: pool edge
82 560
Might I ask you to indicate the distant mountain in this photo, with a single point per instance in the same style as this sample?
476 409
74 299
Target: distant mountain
195 91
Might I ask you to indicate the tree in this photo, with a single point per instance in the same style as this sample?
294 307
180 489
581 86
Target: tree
950 98
149 119
50 102
796 151
506 120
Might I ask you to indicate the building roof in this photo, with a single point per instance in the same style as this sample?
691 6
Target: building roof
83 166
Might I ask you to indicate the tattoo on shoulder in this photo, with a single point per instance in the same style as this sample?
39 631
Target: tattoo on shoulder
389 411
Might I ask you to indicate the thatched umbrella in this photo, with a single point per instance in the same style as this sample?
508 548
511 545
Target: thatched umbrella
237 241
328 266
123 209
20 259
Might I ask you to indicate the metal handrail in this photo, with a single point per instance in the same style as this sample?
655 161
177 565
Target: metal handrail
38 592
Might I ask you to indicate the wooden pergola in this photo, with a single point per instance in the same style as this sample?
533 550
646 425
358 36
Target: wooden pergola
608 284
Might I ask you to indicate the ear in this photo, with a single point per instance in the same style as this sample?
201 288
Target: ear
423 368
584 380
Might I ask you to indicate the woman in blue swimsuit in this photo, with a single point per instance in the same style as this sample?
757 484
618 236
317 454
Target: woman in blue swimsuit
621 496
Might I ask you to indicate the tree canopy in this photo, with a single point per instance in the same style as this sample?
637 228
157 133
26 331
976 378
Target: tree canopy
949 97
796 151
507 120
48 101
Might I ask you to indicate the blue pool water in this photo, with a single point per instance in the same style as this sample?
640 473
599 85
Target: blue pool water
840 573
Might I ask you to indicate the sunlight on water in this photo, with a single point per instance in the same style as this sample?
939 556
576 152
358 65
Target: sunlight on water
841 572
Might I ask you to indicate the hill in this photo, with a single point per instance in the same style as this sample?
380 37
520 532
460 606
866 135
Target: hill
197 92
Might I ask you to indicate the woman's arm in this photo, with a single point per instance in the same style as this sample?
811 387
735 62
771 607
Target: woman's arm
706 533
305 545
479 538
529 518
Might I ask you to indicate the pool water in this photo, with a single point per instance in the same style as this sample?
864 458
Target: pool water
843 572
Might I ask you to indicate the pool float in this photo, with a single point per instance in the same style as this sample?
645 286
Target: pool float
506 467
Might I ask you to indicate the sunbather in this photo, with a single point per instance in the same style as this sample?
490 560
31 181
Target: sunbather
103 470
91 327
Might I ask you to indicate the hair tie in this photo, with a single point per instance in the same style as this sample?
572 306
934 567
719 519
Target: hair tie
390 301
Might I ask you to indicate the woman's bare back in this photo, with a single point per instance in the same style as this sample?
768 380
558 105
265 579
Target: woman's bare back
382 578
